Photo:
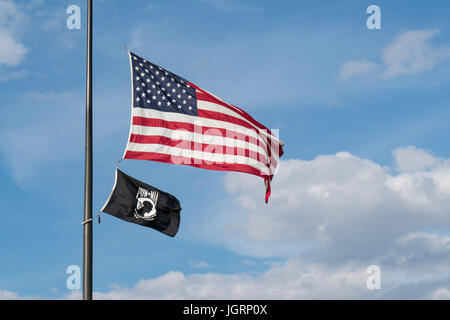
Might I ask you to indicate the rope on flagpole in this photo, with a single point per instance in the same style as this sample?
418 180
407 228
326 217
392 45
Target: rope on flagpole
119 24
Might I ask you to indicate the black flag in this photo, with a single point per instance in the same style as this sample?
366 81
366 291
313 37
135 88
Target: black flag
135 201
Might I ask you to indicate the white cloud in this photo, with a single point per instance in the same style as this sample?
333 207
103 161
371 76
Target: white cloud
441 294
409 53
335 205
12 51
8 295
413 159
293 279
356 67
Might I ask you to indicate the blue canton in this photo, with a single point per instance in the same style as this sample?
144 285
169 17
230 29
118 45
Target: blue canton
159 89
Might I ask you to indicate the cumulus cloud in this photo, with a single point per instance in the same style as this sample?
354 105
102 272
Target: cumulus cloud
411 158
293 279
336 206
12 51
411 52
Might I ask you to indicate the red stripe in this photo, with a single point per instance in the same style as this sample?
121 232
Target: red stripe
167 158
196 146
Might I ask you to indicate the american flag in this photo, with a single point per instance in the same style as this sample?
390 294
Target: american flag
175 121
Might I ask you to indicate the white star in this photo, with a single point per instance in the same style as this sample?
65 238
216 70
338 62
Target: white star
159 103
189 97
148 91
157 72
164 98
173 90
168 84
152 77
179 107
137 99
174 101
138 89
163 89
143 84
146 70
137 78
184 91
141 64
158 92
190 108
178 85
166 73
142 74
143 94
154 97
148 80
172 79
168 103
162 78
148 101
168 94
136 68
134 58
151 67
179 96
157 82
184 101
153 86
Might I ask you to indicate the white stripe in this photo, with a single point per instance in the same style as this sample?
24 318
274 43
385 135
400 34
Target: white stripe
196 137
216 158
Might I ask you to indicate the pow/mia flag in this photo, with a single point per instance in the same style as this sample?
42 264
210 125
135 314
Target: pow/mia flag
135 201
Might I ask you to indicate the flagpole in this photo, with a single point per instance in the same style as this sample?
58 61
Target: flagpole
87 223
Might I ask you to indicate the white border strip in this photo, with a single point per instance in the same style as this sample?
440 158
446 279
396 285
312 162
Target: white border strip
112 191
132 101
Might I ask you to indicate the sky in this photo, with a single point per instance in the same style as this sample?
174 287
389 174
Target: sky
365 178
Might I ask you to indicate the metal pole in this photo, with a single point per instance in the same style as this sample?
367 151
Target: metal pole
87 224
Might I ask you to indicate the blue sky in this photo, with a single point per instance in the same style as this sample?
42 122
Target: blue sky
364 115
